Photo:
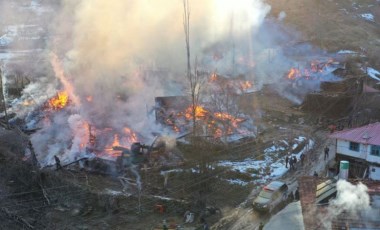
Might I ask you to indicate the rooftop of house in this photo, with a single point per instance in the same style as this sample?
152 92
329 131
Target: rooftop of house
369 134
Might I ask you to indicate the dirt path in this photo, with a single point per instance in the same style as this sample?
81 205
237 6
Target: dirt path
244 217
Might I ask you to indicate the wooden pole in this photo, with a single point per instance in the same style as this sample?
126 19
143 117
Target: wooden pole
3 97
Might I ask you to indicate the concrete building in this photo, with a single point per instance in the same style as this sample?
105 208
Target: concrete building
361 147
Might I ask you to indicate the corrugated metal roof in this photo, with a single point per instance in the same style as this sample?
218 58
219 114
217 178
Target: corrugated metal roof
369 134
289 218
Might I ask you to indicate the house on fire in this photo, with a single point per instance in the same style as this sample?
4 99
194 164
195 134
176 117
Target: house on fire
361 147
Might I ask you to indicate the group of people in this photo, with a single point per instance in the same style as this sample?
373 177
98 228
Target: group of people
292 160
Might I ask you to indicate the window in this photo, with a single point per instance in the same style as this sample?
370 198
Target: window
375 150
354 146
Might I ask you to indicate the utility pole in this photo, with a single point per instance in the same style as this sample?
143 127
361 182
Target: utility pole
2 97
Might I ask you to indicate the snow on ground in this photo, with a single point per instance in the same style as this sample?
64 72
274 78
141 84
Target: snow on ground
368 17
373 73
271 167
347 52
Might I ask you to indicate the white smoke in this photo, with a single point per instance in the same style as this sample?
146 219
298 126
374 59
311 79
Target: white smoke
353 200
281 16
124 53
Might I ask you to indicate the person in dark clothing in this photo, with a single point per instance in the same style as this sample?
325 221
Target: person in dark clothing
57 162
294 162
291 197
327 152
286 161
302 158
291 166
261 226
297 194
204 224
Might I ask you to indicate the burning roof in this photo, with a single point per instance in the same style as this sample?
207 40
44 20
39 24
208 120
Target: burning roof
178 114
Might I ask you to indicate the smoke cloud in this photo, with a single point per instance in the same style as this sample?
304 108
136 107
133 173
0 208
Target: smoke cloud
353 201
115 57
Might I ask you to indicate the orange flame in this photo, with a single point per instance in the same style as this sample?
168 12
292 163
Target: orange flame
199 112
59 101
132 137
60 74
294 73
213 77
109 151
89 98
246 85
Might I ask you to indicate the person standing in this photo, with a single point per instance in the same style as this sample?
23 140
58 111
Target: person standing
327 152
204 224
57 162
294 162
302 158
291 166
286 161
297 194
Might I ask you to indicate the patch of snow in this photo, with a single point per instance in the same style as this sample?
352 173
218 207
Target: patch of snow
373 73
170 171
113 192
274 148
194 170
277 168
300 138
346 52
368 17
237 182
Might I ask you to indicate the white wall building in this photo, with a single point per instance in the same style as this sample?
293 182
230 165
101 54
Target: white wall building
361 147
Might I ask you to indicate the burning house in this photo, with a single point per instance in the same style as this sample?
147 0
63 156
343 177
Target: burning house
218 114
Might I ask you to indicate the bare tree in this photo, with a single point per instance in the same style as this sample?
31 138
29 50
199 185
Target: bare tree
2 97
224 100
192 78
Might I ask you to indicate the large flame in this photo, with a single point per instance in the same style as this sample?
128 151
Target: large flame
125 139
59 101
60 74
199 112
315 67
294 73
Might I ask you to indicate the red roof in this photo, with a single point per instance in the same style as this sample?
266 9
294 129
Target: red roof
369 134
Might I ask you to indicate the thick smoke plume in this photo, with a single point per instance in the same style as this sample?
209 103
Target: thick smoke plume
114 57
